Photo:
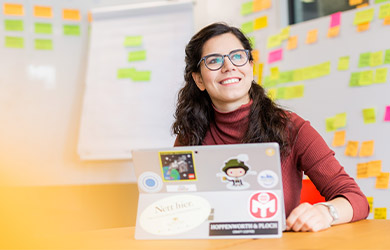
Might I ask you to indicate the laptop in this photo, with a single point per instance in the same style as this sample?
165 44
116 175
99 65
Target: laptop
209 192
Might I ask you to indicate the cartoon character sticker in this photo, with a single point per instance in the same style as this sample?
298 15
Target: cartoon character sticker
234 170
177 165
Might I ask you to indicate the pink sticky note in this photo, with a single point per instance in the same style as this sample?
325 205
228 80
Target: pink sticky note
335 19
387 114
275 55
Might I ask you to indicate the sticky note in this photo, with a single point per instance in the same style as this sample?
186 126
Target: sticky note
141 76
285 33
338 138
43 28
312 36
260 23
274 73
43 11
355 2
352 148
252 41
369 115
354 80
265 4
363 16
374 168
343 63
274 41
386 20
275 55
292 42
384 10
13 25
382 181
71 30
12 9
71 14
257 5
271 93
387 114
381 1
380 213
14 42
132 41
387 57
333 31
364 59
125 73
90 18
362 5
294 92
247 27
256 55
367 149
362 170
366 77
297 75
380 75
43 44
335 19
363 26
329 124
340 120
139 55
370 201
247 8
376 58
286 76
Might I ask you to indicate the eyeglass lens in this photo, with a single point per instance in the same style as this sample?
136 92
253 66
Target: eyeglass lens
237 57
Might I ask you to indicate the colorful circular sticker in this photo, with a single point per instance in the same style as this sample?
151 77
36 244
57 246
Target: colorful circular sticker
175 214
263 205
150 182
267 179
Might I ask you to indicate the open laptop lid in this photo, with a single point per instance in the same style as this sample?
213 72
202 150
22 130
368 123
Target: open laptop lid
221 191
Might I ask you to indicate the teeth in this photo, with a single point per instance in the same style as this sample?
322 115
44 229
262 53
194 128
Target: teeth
230 81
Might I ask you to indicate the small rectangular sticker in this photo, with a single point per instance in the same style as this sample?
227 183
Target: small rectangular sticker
244 228
177 165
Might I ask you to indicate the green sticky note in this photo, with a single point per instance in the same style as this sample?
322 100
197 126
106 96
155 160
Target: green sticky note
364 60
384 10
329 124
132 41
71 30
381 1
43 44
369 115
274 41
294 92
13 25
247 27
14 42
43 28
247 8
125 73
363 16
324 69
340 120
298 75
285 33
343 63
387 57
354 80
376 58
280 93
286 76
269 83
252 41
141 76
139 55
366 77
380 75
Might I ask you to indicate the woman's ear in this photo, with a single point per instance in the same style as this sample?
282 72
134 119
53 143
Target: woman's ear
198 80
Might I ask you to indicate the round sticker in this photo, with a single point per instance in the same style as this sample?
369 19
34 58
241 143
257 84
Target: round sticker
150 182
270 151
267 179
263 205
175 214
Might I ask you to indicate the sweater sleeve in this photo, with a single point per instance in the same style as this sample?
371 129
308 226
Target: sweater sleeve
317 160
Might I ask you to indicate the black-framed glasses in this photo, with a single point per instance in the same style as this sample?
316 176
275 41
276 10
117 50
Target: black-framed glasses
238 57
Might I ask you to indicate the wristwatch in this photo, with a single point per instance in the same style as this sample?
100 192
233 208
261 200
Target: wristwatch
332 210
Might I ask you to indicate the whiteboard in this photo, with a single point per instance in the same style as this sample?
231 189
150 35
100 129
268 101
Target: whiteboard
331 94
123 114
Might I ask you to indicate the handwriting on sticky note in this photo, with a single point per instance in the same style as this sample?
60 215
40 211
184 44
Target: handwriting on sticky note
43 11
13 9
352 148
369 115
339 138
382 181
380 213
275 56
362 170
374 168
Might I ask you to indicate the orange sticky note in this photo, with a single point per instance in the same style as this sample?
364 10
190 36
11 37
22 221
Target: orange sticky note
362 170
374 168
334 31
352 148
362 5
312 36
338 138
43 11
367 149
292 42
13 9
90 17
259 5
386 21
355 2
363 26
71 14
382 181
256 55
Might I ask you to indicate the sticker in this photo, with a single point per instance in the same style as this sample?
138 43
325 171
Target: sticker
267 179
177 165
150 182
175 215
233 172
270 152
181 188
263 205
243 228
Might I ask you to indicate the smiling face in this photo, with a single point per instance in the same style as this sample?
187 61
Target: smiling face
229 86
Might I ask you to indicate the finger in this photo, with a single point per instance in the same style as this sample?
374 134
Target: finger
294 215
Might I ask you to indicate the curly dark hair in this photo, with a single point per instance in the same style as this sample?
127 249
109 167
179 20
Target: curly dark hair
267 121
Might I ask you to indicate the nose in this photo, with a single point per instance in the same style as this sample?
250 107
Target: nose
227 64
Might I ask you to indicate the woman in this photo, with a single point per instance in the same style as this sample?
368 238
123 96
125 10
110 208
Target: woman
220 103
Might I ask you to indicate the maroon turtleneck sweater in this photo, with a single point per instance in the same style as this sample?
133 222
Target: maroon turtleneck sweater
310 154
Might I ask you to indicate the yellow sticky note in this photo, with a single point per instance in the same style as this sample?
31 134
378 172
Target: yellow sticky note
294 92
271 93
312 36
339 138
125 73
14 42
261 22
367 149
261 65
376 58
141 76
292 42
274 73
43 11
362 170
274 41
43 44
132 41
329 124
380 75
369 115
380 213
363 16
366 77
370 202
355 2
352 148
71 14
340 120
139 55
333 31
285 33
382 181
384 10
12 9
343 63
374 168
363 26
